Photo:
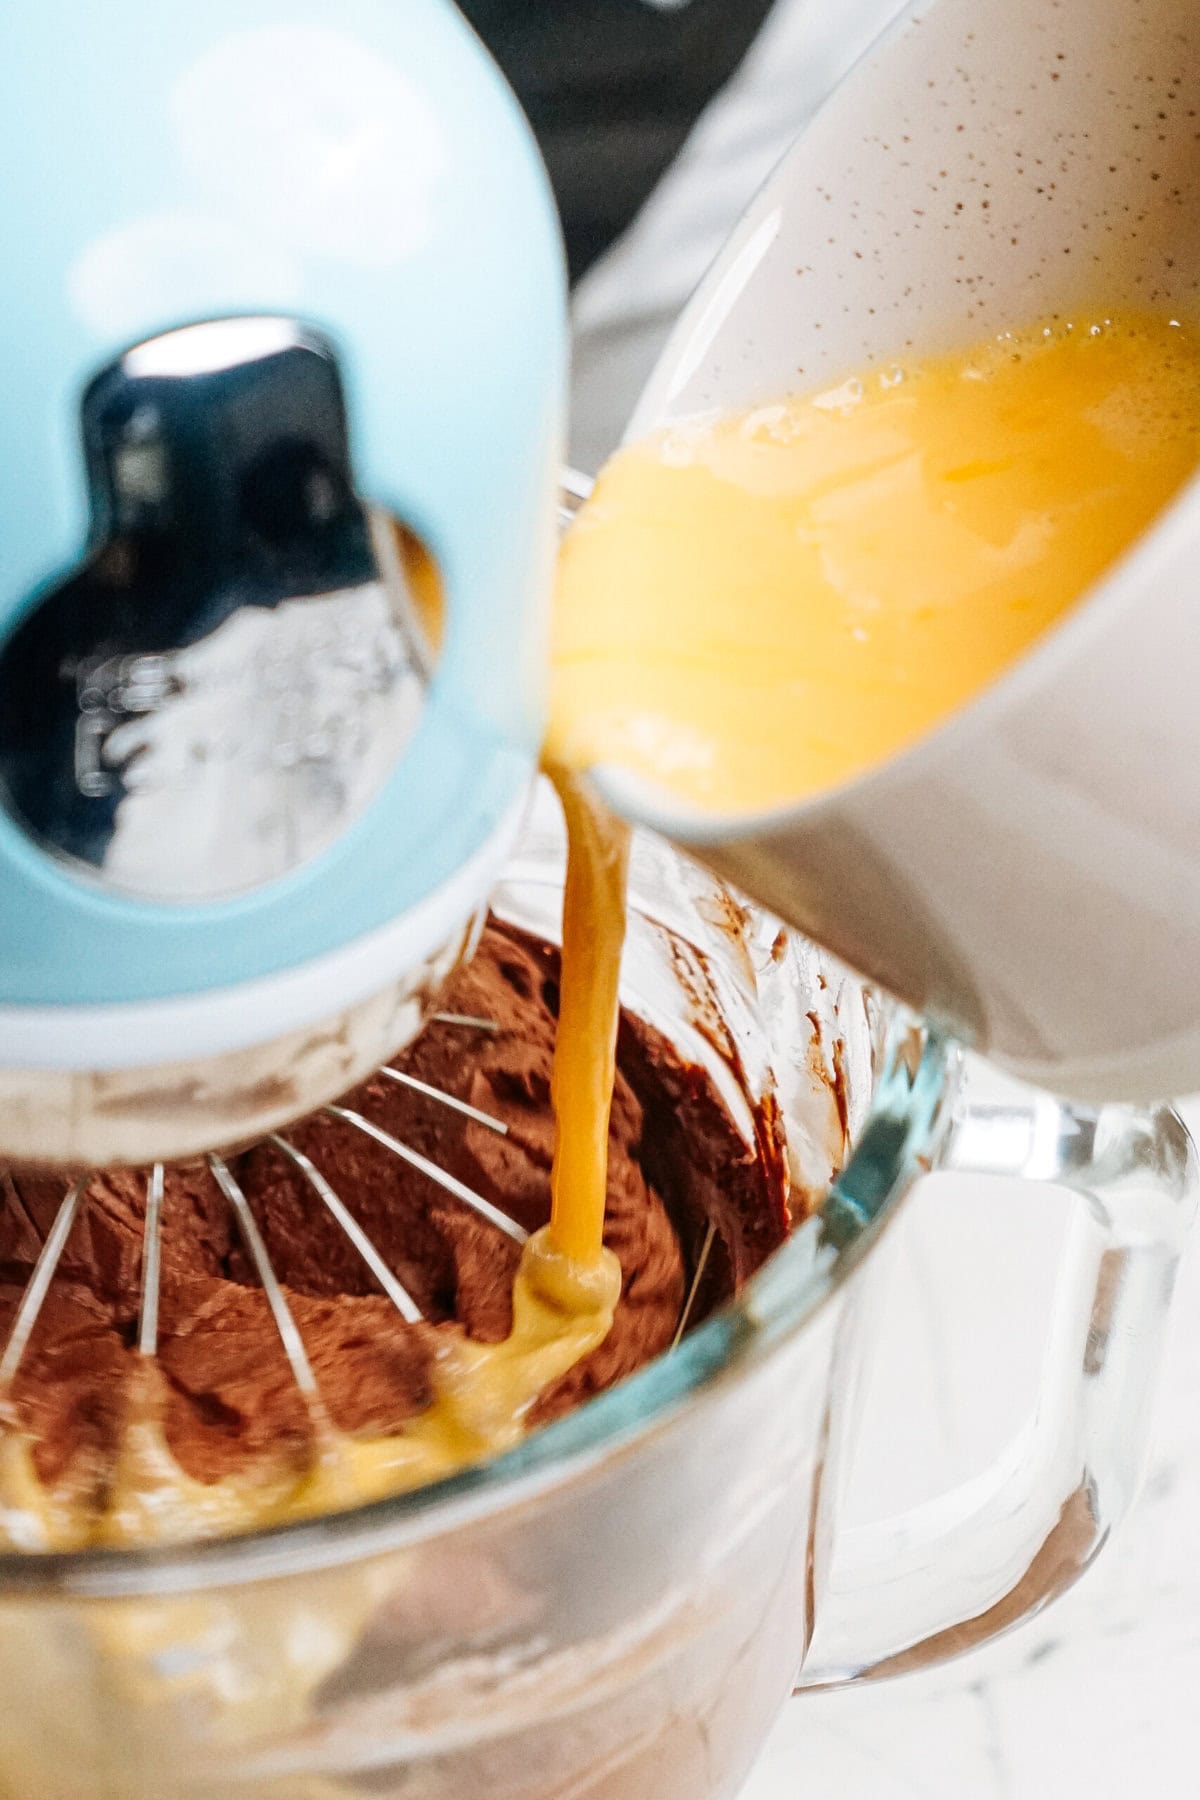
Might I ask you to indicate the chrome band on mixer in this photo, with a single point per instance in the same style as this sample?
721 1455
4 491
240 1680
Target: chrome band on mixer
234 670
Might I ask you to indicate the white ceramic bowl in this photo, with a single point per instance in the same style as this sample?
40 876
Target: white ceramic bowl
1029 875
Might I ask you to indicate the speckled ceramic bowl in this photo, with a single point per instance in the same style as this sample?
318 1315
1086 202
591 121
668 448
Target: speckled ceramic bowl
1029 874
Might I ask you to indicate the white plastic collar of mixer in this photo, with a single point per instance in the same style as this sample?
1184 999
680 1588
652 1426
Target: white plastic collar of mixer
142 1033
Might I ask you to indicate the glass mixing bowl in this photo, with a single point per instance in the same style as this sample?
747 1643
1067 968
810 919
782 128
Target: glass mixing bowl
619 1607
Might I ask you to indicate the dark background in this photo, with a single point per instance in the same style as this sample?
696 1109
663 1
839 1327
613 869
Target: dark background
612 89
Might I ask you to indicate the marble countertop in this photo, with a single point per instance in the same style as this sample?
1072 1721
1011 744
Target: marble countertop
1098 1699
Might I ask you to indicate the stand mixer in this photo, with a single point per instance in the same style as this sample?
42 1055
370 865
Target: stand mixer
287 373
284 373
285 382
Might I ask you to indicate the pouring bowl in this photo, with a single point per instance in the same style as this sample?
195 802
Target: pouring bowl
1028 875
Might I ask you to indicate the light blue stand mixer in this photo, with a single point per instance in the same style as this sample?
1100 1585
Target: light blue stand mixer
284 276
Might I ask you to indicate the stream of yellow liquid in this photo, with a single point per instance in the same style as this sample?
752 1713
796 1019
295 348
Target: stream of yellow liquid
751 609
585 1047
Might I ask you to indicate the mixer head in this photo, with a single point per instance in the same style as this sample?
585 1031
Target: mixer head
284 373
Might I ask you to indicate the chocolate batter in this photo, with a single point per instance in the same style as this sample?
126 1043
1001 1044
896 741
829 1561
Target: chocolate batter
676 1164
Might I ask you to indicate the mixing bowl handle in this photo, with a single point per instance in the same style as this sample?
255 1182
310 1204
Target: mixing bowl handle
952 1573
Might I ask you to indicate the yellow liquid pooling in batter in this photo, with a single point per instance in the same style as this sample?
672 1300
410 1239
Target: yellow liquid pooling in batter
482 1397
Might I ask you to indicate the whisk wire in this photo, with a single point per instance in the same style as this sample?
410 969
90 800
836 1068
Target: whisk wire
35 1293
697 1278
451 1100
441 1177
469 1020
151 1265
395 1290
281 1312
